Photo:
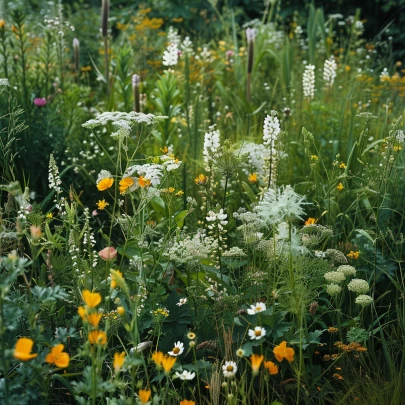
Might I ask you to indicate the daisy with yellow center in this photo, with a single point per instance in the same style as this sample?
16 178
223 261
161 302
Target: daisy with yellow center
256 308
105 183
58 357
178 349
125 184
22 350
257 333
102 204
229 369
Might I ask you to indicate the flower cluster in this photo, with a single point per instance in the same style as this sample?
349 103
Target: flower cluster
308 82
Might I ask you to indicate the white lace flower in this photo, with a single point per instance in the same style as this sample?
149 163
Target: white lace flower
181 302
329 71
211 145
271 129
364 300
358 285
335 277
333 289
185 375
347 270
178 349
256 308
257 333
308 81
229 369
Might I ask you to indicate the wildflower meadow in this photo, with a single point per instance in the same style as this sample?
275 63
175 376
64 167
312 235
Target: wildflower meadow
201 203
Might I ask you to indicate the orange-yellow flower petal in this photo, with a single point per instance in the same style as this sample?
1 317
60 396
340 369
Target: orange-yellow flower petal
143 182
23 349
256 362
119 359
168 363
126 183
91 299
105 183
273 368
157 357
58 357
97 337
94 318
144 395
283 352
187 402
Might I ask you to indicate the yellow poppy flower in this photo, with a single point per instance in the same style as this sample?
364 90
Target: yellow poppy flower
119 359
125 184
97 337
283 352
58 357
252 178
143 182
273 368
23 349
256 362
91 299
105 183
168 363
144 395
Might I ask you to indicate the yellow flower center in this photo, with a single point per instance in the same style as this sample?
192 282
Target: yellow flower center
258 308
176 350
229 368
258 332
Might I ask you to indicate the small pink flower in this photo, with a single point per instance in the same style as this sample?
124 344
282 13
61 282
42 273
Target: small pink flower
229 53
40 102
108 253
94 213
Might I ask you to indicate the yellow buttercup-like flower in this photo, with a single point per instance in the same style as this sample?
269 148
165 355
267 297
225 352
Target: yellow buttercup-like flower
119 359
125 184
102 204
97 337
91 299
252 178
104 184
340 187
58 357
271 367
143 182
256 362
283 352
144 396
168 363
22 350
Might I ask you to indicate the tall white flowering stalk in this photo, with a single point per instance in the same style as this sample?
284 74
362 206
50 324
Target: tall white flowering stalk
384 75
55 182
308 82
171 54
271 132
211 145
329 71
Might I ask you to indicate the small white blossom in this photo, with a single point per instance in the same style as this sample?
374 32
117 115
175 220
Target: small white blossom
185 375
178 349
256 308
229 369
181 302
257 333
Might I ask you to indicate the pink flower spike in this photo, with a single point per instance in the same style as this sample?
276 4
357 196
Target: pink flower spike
40 102
108 253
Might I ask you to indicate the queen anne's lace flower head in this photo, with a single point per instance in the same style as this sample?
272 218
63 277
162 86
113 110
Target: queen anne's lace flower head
364 300
347 270
334 277
358 285
333 289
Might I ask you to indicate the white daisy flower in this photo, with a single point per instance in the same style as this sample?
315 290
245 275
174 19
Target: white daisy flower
185 375
257 333
178 349
229 369
256 308
181 302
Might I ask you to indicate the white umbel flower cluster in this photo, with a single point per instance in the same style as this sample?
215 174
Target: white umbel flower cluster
358 285
347 270
329 71
124 121
335 277
333 289
211 145
308 82
271 133
364 300
256 158
152 172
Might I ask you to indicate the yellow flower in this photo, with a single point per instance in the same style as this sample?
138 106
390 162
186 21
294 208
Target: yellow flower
353 255
23 349
347 68
256 362
119 359
283 352
126 183
201 180
116 278
168 363
58 357
143 182
102 204
314 157
105 183
97 337
144 395
271 367
397 148
91 299
121 311
187 402
310 221
94 318
86 69
179 193
164 150
2 24
340 187
157 357
49 215
83 313
191 335
342 166
252 178
331 329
